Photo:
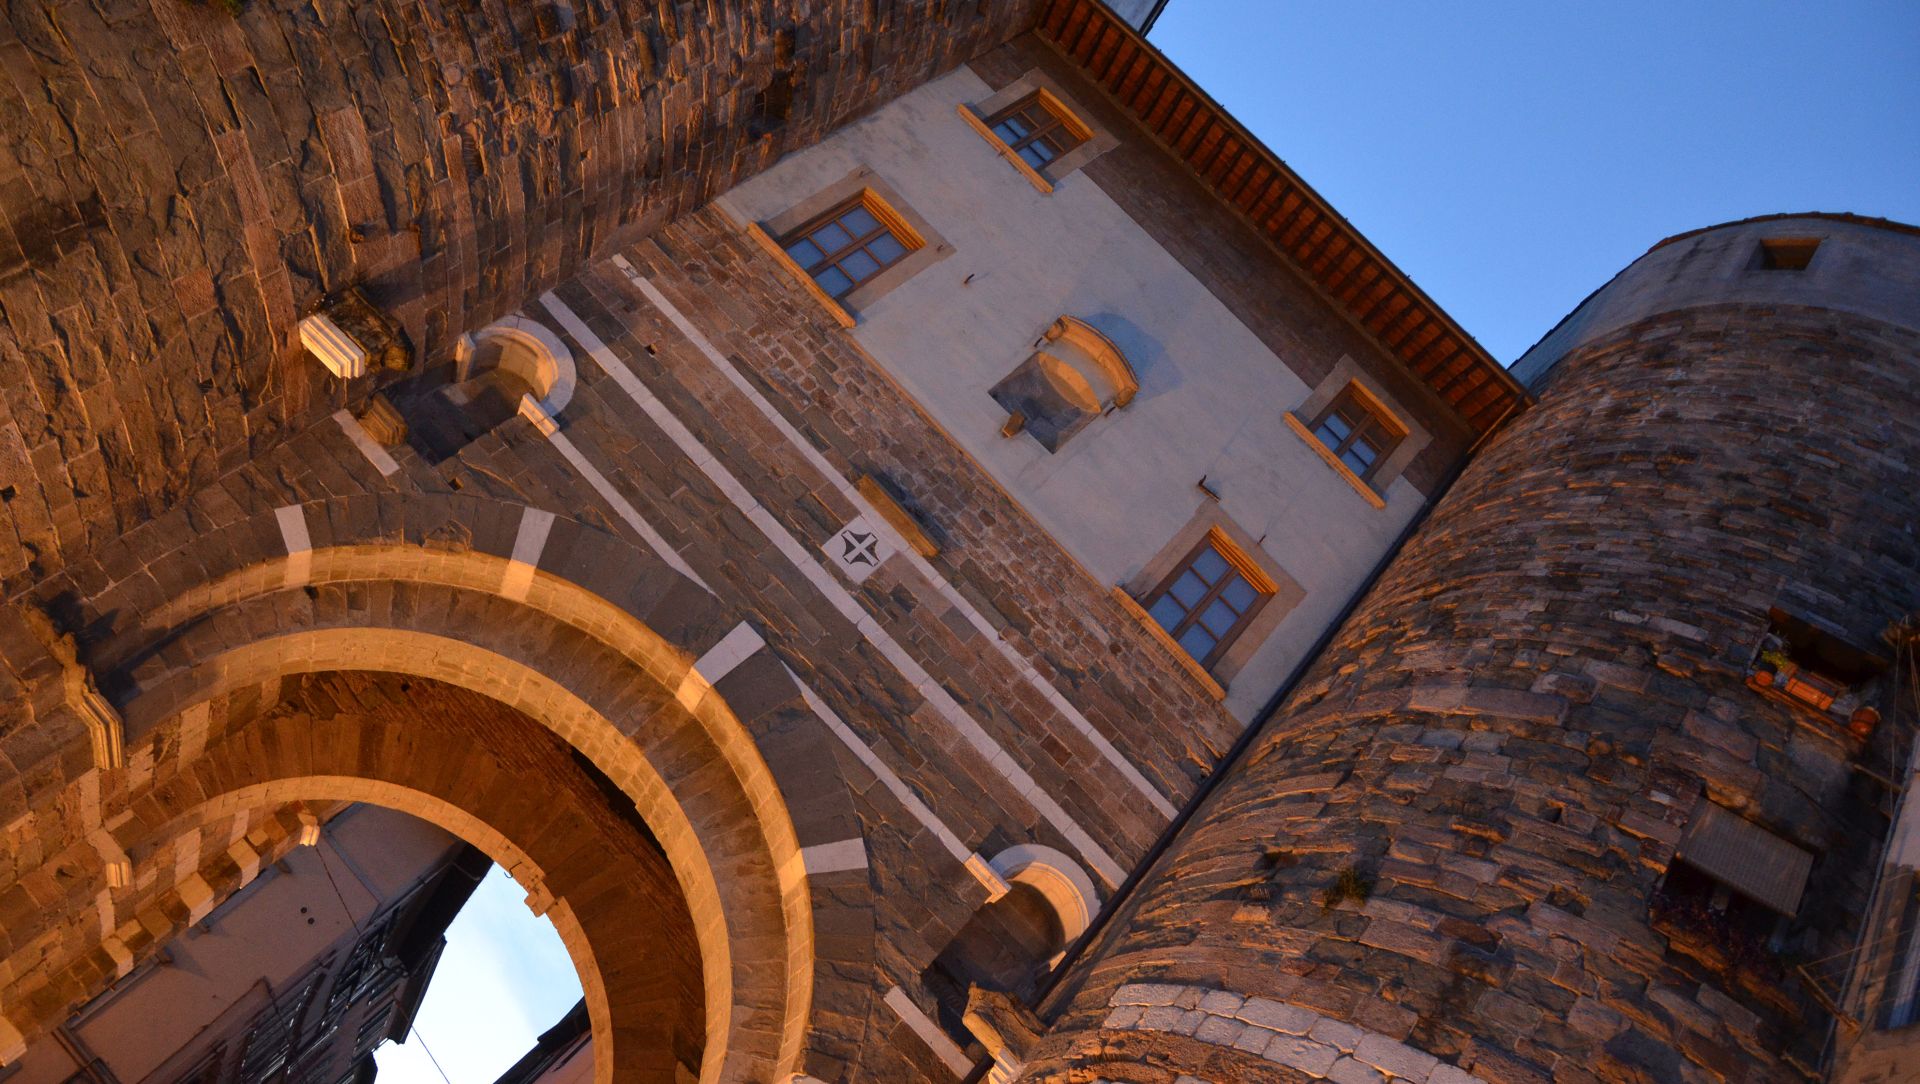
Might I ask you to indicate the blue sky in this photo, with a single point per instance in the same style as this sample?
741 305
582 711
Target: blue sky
1511 157
504 978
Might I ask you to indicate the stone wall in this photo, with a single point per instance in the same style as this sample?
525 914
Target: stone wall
833 780
182 184
1451 835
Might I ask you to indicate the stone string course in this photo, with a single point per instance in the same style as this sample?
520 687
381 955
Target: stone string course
1319 1046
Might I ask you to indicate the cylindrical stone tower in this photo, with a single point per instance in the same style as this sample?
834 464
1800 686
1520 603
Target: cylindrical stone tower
1590 775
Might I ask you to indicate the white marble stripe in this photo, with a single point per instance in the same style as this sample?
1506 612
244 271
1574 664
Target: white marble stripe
293 533
846 854
370 448
528 544
720 660
951 1055
975 864
947 591
623 508
803 559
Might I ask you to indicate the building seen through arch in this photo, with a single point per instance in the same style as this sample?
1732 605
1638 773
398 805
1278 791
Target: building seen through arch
929 554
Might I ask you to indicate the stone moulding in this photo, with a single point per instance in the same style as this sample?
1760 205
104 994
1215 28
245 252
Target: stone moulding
1108 362
106 731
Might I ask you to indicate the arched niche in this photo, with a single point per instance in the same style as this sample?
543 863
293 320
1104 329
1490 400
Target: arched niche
526 349
1074 376
1011 943
1094 358
1059 880
512 367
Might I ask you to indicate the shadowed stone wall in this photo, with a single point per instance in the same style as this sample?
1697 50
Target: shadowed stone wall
1438 862
179 186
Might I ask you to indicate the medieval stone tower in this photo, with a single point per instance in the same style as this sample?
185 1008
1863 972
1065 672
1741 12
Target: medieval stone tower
928 553
1534 814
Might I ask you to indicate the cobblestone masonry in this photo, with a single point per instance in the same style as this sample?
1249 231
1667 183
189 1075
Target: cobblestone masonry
180 184
1502 748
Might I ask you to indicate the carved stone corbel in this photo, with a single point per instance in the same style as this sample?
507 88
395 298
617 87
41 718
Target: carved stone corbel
1005 1027
105 729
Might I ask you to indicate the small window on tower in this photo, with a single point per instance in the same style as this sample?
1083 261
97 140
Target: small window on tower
849 245
1787 253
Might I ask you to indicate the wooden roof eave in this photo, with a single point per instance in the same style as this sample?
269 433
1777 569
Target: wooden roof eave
1251 180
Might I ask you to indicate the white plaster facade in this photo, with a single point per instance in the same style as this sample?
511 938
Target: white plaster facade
1212 402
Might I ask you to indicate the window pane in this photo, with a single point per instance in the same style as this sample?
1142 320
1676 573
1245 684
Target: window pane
1210 565
831 238
804 252
860 222
1360 456
1013 129
860 265
834 281
1240 594
1036 155
1219 618
1333 429
1188 589
1197 641
1167 612
886 248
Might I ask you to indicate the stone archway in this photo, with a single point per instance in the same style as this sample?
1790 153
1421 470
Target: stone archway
498 779
639 670
598 643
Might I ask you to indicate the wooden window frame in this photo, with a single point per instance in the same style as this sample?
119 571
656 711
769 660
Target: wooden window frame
1059 119
1387 430
1237 562
889 223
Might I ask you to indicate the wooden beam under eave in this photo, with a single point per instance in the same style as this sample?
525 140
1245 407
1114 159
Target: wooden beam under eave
1432 354
1128 86
1227 152
1241 181
1107 52
1297 224
1382 307
1200 123
1167 95
1305 235
1338 247
1451 375
1477 378
1403 318
1179 118
1359 273
1080 29
1447 374
1273 189
1283 212
1408 342
1068 20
